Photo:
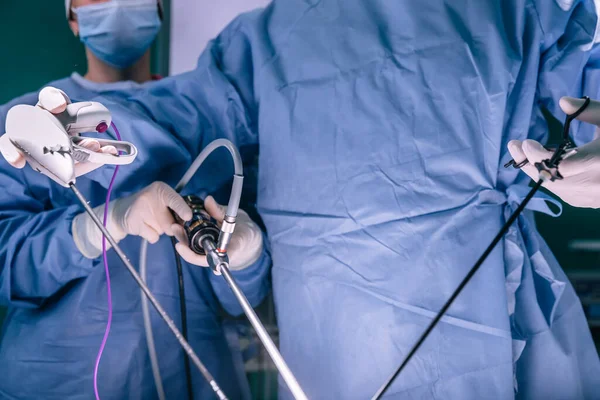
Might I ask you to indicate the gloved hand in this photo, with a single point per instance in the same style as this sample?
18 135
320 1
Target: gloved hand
144 214
580 186
246 243
55 101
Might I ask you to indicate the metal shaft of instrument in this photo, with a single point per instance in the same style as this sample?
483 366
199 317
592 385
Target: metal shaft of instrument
184 344
515 215
260 329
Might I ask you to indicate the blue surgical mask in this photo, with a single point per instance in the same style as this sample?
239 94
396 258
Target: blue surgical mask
119 32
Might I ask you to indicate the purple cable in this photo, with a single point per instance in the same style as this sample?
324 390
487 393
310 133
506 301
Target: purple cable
108 291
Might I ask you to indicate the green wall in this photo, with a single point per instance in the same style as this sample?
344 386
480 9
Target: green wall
38 46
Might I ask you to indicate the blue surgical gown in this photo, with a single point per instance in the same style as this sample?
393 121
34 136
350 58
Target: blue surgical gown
57 298
382 129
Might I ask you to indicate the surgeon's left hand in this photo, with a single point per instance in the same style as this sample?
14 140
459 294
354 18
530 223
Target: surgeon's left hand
580 186
246 243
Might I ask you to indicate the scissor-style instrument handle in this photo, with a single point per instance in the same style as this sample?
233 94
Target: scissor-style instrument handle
127 152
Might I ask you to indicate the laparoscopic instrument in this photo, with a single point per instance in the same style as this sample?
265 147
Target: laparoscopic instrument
202 235
548 171
50 145
200 226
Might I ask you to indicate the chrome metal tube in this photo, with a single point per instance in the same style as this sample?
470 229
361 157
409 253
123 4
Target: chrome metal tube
161 311
263 335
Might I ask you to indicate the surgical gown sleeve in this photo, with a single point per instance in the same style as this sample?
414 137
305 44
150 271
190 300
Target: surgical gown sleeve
570 62
37 254
216 100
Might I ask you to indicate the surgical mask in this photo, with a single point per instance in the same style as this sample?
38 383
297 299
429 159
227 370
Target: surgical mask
119 32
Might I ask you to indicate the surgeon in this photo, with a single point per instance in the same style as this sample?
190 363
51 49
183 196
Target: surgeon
51 272
383 128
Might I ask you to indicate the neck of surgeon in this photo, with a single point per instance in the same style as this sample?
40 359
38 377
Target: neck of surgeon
101 72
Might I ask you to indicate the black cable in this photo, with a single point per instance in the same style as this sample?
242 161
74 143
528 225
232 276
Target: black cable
184 330
550 166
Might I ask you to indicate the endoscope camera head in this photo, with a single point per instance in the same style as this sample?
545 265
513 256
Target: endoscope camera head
201 226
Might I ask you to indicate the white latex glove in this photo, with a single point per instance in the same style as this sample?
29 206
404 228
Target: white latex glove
246 243
146 214
55 101
580 186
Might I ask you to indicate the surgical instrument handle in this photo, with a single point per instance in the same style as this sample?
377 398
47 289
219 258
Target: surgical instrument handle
274 353
186 346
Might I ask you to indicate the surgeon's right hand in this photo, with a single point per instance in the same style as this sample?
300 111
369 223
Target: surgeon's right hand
580 186
146 213
55 101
